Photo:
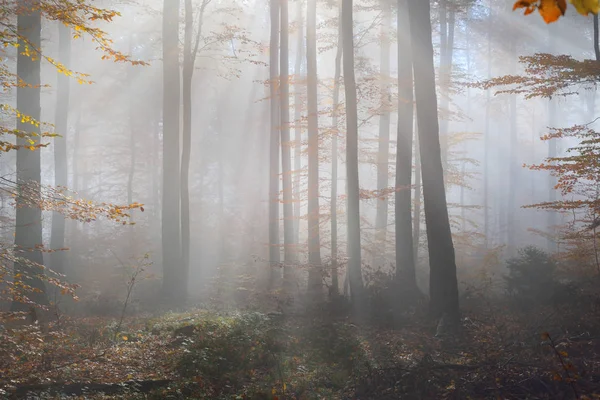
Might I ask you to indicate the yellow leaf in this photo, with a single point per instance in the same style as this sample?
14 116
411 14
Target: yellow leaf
585 7
124 337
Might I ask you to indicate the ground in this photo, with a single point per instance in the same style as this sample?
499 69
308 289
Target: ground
323 353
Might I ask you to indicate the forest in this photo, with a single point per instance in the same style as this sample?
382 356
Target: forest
298 200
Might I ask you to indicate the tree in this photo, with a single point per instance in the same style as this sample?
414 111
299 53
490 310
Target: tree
383 153
28 232
289 250
314 245
405 260
190 50
59 259
174 273
274 252
354 250
443 285
334 157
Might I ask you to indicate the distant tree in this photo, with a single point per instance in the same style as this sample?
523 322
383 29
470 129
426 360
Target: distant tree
274 251
443 285
315 275
174 279
353 191
405 260
59 259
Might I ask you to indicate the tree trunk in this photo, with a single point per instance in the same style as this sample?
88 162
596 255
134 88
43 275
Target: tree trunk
59 259
132 143
28 231
552 118
298 85
405 262
334 158
487 141
443 285
174 272
188 74
315 275
383 153
274 252
289 247
417 198
596 39
354 250
513 173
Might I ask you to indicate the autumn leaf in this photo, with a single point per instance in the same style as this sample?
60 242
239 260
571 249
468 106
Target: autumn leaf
552 10
584 7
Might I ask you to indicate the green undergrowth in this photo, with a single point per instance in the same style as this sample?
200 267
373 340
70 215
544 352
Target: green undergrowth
259 356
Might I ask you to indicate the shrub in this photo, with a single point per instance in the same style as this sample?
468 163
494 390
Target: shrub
531 276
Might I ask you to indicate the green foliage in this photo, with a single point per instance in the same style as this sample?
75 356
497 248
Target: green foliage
530 276
228 350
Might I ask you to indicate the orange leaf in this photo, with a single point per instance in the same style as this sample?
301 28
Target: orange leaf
552 10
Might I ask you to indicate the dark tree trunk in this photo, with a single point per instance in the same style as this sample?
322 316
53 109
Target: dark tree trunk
383 153
59 259
443 285
274 251
405 262
289 249
354 250
596 39
174 272
315 275
28 232
334 158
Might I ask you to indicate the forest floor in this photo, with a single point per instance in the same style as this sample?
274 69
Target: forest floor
546 353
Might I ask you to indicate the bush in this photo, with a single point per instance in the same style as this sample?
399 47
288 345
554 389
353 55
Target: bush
531 278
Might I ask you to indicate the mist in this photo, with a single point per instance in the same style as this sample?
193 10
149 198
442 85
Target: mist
375 181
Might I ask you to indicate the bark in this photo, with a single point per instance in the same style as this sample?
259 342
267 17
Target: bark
405 262
443 284
383 153
552 150
59 259
487 142
274 252
289 249
132 159
513 173
596 40
417 198
354 249
334 158
174 272
28 231
315 275
298 120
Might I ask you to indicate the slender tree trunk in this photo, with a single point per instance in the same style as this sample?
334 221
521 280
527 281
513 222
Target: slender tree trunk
596 39
186 148
315 275
354 249
383 153
405 262
443 284
334 158
289 249
513 173
28 232
274 251
417 199
487 141
552 150
298 85
59 259
132 149
174 272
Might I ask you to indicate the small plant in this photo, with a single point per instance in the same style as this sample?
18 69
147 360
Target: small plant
530 276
